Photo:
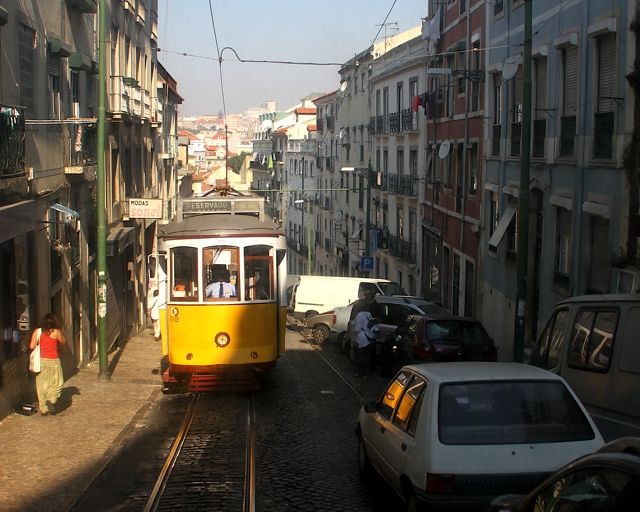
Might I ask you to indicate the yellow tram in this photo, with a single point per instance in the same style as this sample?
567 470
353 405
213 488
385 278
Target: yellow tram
222 281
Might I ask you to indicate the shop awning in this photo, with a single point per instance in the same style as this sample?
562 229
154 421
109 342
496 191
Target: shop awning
504 223
17 219
59 47
79 61
64 209
118 239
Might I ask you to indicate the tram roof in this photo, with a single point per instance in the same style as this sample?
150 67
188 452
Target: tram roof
220 225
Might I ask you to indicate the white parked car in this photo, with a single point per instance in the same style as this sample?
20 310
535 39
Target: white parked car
464 433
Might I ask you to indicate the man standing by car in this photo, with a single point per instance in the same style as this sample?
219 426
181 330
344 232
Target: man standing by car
361 304
364 340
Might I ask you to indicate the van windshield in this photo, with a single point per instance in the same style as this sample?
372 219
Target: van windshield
392 288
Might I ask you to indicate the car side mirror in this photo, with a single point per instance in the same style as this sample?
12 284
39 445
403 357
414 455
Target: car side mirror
370 408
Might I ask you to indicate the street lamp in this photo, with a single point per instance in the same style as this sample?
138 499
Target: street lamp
308 201
366 170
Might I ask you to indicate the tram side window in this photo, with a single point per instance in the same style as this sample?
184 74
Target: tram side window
258 272
220 272
184 273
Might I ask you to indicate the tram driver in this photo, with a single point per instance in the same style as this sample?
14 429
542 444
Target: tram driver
221 287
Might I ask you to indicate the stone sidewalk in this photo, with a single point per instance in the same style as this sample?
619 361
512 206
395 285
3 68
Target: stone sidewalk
46 462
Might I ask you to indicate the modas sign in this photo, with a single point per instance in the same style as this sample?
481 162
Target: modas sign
145 208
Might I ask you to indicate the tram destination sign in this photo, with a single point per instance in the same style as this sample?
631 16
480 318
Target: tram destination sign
231 205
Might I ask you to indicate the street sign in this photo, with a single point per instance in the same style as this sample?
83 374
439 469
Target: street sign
366 263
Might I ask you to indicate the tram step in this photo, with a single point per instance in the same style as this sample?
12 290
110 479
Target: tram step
229 382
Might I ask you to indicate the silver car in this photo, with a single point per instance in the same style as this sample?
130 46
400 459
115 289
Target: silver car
392 310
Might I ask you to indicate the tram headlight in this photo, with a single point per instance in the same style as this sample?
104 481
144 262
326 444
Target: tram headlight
222 339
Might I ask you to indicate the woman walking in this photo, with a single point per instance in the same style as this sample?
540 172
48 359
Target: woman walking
50 379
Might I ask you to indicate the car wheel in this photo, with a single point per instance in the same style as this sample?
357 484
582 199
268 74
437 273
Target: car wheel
365 469
346 344
320 334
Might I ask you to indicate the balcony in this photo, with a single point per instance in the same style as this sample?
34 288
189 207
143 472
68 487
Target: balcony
328 245
83 148
393 184
408 185
330 123
119 99
380 124
87 6
394 123
168 147
394 246
328 204
146 105
12 135
381 182
408 251
156 112
409 120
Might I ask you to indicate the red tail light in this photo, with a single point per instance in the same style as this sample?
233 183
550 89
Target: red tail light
439 484
334 320
492 354
424 352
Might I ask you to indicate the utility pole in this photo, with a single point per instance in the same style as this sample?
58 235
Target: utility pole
309 236
523 200
368 220
101 258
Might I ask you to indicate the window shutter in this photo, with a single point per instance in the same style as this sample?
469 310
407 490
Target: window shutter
564 223
600 258
53 65
570 81
517 88
606 72
541 88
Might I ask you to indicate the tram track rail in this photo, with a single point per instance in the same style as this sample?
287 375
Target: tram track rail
248 498
309 339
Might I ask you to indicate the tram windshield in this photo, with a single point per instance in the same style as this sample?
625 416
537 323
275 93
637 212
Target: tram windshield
220 272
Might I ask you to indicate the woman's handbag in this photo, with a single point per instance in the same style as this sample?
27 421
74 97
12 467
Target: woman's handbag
34 357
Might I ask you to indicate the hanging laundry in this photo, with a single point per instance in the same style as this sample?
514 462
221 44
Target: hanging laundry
77 147
424 99
416 103
431 107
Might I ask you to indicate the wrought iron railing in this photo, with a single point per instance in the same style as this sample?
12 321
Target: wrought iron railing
409 120
408 251
408 185
83 145
393 184
12 147
394 122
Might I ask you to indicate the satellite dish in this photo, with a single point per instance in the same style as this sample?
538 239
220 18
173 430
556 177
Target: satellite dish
338 215
444 149
343 86
510 67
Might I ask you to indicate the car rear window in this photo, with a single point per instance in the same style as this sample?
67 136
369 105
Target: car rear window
456 331
510 412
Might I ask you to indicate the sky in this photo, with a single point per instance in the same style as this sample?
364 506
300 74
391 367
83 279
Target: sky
321 31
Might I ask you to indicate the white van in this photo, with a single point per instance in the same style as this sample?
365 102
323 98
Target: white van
593 342
317 294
